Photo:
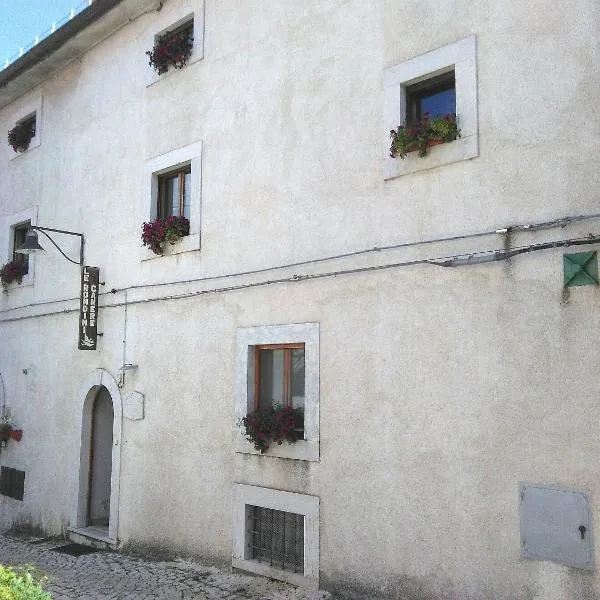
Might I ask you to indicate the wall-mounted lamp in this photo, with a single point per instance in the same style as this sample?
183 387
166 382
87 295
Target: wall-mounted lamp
32 246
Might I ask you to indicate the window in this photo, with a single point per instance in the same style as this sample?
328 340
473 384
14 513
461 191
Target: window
279 376
29 123
185 30
19 233
174 193
13 229
12 483
439 82
190 26
276 537
29 118
173 186
276 534
279 365
435 97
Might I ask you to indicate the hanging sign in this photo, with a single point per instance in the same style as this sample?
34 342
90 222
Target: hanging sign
88 313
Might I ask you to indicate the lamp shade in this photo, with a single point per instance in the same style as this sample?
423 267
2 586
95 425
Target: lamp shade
31 244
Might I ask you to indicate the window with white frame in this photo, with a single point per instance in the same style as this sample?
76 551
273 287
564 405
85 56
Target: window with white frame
278 365
440 82
26 130
276 534
180 43
14 230
173 186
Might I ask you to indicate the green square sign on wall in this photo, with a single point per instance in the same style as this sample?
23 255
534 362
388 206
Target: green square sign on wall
580 268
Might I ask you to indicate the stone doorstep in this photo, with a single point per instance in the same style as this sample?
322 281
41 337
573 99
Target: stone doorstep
96 537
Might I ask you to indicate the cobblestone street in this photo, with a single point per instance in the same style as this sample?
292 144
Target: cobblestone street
107 575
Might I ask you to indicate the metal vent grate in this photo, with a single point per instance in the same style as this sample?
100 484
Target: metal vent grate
277 538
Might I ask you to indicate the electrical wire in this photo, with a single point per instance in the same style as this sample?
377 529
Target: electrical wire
560 222
442 261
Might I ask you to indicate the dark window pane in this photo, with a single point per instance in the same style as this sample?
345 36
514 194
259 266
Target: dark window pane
439 104
436 96
20 232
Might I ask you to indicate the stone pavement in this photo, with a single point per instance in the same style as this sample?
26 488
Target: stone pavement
108 575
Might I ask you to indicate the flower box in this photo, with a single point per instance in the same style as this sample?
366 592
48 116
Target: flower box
8 432
423 134
279 423
20 136
12 271
158 232
172 50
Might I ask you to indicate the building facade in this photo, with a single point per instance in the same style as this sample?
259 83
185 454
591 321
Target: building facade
430 318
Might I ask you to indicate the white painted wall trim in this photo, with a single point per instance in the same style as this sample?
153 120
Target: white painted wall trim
462 56
197 54
85 399
303 504
247 337
31 107
7 235
153 167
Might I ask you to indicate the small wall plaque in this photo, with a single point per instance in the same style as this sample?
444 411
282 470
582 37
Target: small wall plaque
133 406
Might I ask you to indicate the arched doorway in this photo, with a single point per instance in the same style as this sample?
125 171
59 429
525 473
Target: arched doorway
96 508
101 442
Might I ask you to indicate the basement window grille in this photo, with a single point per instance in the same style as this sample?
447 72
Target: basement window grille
276 537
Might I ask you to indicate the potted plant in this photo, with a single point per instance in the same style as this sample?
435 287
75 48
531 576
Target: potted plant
20 136
276 424
12 271
422 134
157 232
171 50
8 432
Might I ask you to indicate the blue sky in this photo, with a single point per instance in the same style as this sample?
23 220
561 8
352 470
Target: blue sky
22 20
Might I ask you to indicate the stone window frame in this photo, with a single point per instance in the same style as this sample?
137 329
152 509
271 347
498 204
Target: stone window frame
247 339
197 20
10 222
33 108
303 504
160 165
461 57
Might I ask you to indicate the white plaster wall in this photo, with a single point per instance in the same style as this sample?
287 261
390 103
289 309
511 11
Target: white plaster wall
440 389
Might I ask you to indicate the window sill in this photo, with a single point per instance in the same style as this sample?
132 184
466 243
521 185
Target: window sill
300 450
27 281
154 77
190 243
463 148
34 143
265 570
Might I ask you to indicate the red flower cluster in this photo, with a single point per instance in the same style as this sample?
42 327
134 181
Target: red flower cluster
273 425
171 50
7 432
157 232
12 271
